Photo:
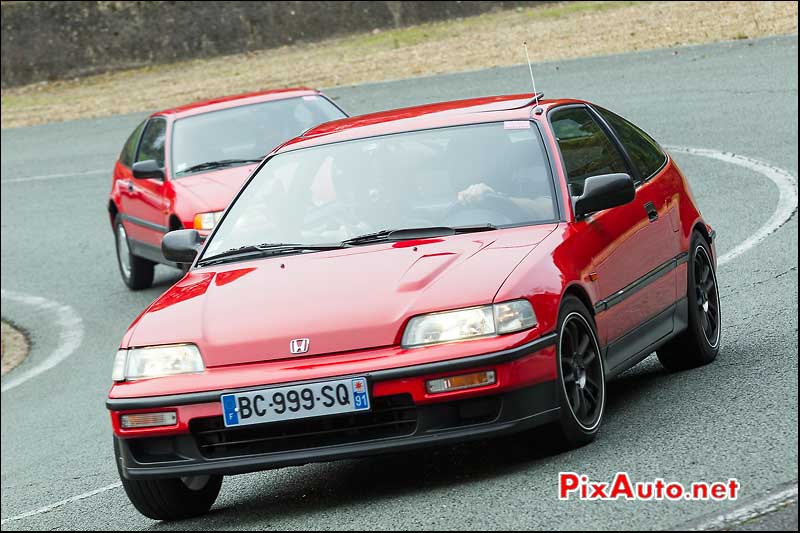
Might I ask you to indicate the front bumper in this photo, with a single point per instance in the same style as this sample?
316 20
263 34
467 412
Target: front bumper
403 417
436 425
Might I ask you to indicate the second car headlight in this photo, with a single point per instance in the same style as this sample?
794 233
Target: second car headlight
207 221
155 361
470 323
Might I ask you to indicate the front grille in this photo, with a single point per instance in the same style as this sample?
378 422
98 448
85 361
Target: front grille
391 416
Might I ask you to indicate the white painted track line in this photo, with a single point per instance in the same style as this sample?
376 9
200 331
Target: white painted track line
769 503
54 176
70 331
61 503
787 188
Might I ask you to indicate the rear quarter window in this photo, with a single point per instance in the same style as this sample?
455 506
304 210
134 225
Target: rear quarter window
646 155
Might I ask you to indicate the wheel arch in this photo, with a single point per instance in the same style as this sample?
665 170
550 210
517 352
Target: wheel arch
112 211
584 295
578 291
702 229
707 234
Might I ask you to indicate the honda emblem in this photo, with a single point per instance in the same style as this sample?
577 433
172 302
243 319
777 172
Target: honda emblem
299 345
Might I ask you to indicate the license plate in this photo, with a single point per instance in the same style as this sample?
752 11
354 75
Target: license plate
295 401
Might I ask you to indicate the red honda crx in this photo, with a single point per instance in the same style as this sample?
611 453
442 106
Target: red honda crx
413 278
181 167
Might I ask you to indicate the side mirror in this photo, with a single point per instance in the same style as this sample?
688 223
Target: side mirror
147 169
181 246
604 192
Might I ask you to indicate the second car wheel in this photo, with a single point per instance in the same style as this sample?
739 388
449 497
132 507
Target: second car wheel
137 272
581 376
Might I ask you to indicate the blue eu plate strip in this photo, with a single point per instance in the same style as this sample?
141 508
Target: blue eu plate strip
229 410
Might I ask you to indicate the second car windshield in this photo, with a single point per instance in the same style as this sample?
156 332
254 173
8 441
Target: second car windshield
493 173
245 133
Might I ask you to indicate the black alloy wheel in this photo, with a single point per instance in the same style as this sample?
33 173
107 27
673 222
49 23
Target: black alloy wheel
582 371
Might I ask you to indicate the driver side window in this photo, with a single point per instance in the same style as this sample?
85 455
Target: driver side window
152 144
585 148
129 150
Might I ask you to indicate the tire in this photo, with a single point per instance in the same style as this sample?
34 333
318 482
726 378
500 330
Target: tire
173 498
581 377
699 344
137 272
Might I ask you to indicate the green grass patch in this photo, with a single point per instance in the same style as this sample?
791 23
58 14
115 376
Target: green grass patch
570 8
434 31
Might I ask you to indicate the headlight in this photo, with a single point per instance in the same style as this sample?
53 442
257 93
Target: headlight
207 220
471 323
154 361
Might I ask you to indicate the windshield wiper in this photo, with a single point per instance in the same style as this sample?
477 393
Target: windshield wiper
268 249
416 233
218 164
264 250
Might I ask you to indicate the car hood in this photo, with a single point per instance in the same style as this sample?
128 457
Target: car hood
215 190
342 300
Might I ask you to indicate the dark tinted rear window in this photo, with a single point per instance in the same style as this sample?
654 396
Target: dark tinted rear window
645 153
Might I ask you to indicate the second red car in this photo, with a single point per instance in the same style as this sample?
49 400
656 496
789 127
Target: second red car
180 167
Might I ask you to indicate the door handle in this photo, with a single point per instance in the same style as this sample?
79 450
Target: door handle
652 212
130 186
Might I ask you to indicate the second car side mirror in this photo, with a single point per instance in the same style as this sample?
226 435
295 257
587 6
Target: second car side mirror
604 192
147 169
181 246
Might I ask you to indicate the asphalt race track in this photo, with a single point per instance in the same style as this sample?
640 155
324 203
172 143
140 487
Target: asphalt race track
736 418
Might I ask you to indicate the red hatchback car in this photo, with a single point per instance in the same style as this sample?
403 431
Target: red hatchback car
413 278
181 167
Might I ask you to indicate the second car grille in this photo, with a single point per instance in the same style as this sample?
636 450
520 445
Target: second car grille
391 416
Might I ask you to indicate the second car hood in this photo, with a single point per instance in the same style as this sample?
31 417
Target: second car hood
340 300
215 190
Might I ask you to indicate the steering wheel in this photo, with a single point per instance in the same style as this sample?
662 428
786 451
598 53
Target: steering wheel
329 217
492 208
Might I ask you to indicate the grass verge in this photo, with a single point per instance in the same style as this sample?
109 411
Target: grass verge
13 347
556 31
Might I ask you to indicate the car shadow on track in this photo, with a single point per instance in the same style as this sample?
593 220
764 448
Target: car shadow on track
636 384
293 493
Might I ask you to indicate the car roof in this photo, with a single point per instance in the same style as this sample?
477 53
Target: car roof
442 114
226 102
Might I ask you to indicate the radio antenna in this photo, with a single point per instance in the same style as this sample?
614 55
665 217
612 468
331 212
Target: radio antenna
530 69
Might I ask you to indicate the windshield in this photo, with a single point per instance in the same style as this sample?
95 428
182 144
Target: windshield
246 132
492 173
